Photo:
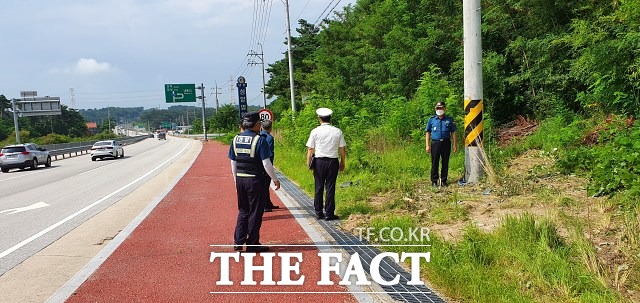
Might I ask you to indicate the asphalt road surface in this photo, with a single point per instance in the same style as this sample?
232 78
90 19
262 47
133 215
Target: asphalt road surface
37 207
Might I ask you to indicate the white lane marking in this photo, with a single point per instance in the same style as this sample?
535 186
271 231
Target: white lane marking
99 167
65 220
23 175
26 208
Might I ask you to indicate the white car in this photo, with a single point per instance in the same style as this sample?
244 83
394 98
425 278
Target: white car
22 156
107 148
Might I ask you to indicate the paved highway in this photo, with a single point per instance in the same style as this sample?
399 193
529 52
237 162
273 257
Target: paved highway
40 206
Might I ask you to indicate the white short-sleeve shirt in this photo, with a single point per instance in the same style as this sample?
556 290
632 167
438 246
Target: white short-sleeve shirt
326 140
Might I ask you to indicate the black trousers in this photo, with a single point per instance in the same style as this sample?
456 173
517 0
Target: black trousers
325 173
440 150
251 201
267 182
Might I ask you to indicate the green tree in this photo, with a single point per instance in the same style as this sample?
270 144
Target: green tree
302 49
5 106
227 119
607 57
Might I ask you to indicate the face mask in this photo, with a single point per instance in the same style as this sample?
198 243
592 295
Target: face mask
439 112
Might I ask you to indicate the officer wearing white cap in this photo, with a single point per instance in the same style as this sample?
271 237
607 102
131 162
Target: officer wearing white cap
327 143
250 165
440 131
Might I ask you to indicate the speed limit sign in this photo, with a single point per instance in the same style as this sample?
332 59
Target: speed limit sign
266 114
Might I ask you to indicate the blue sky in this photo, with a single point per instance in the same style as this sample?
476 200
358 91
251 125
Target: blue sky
122 52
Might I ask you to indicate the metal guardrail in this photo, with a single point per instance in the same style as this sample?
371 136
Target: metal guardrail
79 148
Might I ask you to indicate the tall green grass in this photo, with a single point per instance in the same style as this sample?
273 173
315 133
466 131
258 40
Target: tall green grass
524 260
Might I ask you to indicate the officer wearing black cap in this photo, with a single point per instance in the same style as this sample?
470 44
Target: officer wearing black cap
250 165
266 133
440 130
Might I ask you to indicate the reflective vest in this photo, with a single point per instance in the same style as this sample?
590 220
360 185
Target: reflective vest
248 163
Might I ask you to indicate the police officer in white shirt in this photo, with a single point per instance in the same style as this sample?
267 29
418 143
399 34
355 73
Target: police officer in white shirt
327 143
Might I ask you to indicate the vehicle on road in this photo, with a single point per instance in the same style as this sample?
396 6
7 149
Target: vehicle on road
22 156
107 149
162 136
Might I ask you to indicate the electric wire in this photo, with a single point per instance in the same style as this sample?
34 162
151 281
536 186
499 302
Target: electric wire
322 14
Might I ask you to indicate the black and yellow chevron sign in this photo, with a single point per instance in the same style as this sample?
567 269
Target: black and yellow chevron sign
473 123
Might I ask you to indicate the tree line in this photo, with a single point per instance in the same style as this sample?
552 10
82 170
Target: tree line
541 58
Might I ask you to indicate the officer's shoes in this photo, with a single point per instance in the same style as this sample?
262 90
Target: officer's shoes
434 184
237 247
331 218
257 249
445 184
268 210
320 216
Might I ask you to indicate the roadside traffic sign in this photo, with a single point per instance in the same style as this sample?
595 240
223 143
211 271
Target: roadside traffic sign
180 93
265 114
30 105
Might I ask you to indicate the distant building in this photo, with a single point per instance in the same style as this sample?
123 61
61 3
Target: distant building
92 127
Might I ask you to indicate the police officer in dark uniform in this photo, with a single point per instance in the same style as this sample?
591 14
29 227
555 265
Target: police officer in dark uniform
250 165
266 133
440 130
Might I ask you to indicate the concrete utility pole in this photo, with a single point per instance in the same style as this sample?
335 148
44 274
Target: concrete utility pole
15 120
473 126
72 96
217 102
204 122
231 86
293 98
261 56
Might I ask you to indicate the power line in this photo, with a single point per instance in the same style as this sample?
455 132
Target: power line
321 14
127 92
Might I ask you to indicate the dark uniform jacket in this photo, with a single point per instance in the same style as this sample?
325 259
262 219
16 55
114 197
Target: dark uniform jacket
248 149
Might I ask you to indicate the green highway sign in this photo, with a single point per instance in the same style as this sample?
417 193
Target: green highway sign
180 93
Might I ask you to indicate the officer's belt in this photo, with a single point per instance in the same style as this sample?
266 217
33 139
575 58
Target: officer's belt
441 140
245 175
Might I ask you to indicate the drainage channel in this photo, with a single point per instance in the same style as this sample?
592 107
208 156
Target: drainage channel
388 270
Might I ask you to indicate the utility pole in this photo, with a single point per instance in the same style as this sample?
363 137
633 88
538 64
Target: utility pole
204 122
261 56
217 102
231 83
15 120
293 99
473 125
72 96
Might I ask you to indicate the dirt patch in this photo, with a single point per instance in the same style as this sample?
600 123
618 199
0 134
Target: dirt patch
518 128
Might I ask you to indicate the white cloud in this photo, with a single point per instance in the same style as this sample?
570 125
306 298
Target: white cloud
85 66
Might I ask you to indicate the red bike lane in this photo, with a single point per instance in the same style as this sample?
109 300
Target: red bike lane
167 257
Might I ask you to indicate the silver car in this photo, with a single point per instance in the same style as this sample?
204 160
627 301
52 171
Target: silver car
107 149
22 156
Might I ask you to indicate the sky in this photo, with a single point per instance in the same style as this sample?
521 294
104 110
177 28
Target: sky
121 53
